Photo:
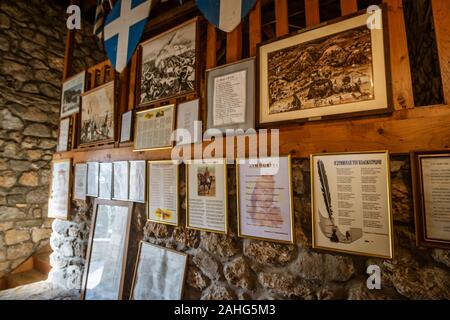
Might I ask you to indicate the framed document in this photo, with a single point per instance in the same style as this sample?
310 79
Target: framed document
64 137
104 274
231 96
121 180
431 189
137 181
125 132
154 128
351 203
159 273
163 192
207 204
105 181
189 129
80 184
59 200
336 70
92 179
265 199
72 90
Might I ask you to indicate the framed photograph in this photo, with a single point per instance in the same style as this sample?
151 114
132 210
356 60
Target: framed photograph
65 135
59 200
351 203
98 111
189 129
163 192
231 96
431 190
207 203
92 179
104 274
125 132
72 90
80 183
121 180
153 128
265 199
137 181
159 274
337 70
168 65
105 181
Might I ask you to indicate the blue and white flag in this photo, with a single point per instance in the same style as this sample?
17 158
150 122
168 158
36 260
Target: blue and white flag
123 30
225 14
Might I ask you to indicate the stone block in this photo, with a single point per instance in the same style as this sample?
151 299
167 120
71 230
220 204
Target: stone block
38 234
15 236
269 253
19 251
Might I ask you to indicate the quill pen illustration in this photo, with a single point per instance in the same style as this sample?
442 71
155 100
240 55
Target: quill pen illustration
325 188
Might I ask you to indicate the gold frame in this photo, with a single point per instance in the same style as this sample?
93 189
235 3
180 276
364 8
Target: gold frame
69 196
149 163
291 205
173 106
191 162
128 182
389 205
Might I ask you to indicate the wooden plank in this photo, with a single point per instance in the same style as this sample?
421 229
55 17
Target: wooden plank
281 18
211 47
68 51
312 12
234 45
349 6
132 88
255 28
441 10
400 67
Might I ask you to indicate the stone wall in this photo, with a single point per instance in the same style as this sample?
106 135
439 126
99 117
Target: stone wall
32 39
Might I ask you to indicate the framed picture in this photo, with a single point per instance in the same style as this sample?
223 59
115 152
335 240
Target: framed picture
351 203
137 181
189 129
154 128
80 183
159 274
107 251
125 132
431 190
337 70
64 136
121 180
163 192
98 112
169 64
105 181
59 200
265 199
92 179
231 96
207 203
72 90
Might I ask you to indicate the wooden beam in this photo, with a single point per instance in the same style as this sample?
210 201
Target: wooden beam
133 74
349 6
312 12
255 28
234 45
441 11
68 51
211 46
281 18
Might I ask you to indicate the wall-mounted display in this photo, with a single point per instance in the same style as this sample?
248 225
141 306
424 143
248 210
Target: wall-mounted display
105 181
107 251
98 111
64 136
168 66
231 96
72 90
121 172
125 132
159 273
92 179
154 127
335 70
187 115
351 203
431 189
207 195
137 181
80 183
265 199
163 192
59 200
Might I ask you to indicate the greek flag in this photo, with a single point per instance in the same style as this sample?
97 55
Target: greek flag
99 18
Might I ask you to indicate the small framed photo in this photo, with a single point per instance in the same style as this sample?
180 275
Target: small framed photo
65 135
137 181
351 203
80 183
189 127
59 200
231 96
265 199
105 181
92 179
121 180
431 190
163 192
207 195
127 122
72 90
154 128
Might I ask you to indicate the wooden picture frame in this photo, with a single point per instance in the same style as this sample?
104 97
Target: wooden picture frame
428 160
76 82
60 183
64 135
121 171
82 184
137 182
93 172
105 180
92 251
